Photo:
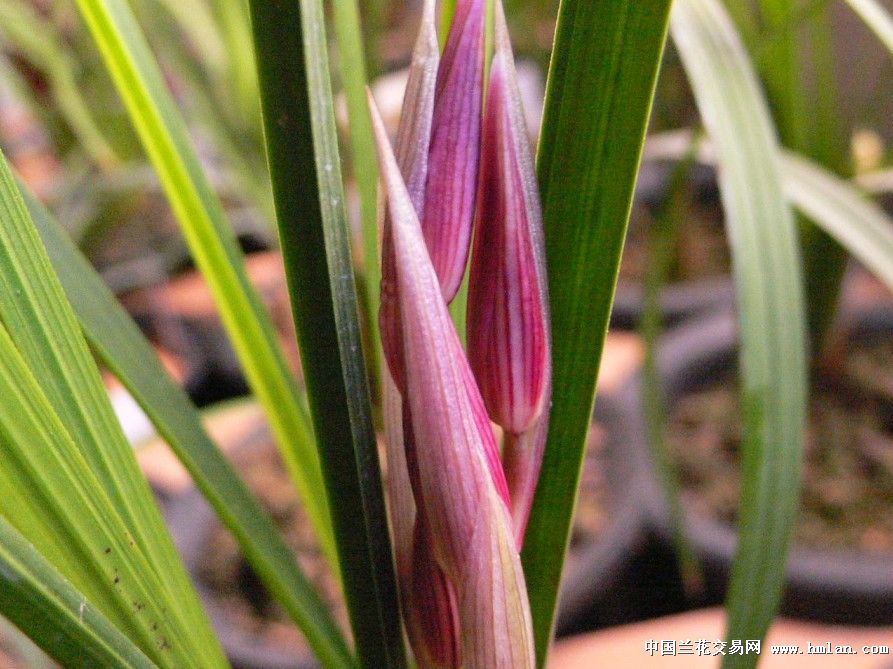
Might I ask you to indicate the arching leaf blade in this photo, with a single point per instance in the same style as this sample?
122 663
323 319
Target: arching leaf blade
601 83
164 136
771 311
44 605
121 346
302 150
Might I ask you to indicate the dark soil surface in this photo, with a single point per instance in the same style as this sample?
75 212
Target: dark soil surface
702 251
232 580
847 500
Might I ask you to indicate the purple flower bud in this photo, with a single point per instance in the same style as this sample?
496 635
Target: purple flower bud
412 149
433 625
455 147
427 599
507 339
413 140
508 322
459 489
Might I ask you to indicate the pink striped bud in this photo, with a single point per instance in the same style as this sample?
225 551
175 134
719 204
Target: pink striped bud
508 338
451 458
433 626
507 342
455 147
412 154
426 598
413 140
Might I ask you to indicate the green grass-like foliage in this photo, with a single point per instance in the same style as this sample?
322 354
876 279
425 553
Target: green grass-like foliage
601 83
212 242
771 311
121 346
838 207
302 149
40 601
71 483
876 18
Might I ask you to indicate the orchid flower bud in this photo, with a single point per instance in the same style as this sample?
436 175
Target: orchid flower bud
508 333
460 495
413 141
412 155
455 146
427 599
433 628
507 341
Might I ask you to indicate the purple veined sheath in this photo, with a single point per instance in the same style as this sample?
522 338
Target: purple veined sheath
462 158
508 318
461 511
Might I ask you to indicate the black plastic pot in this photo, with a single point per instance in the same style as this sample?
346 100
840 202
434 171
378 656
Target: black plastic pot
594 572
832 587
680 301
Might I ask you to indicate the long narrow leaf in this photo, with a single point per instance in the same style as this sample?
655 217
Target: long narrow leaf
803 95
447 11
840 207
780 60
769 292
363 156
51 496
45 332
302 149
601 84
163 134
124 350
843 212
38 599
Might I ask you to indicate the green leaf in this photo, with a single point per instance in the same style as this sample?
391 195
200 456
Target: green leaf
241 84
839 207
365 161
876 182
803 94
163 134
41 602
779 57
302 149
123 349
601 83
843 212
51 496
771 311
447 11
195 21
45 333
876 18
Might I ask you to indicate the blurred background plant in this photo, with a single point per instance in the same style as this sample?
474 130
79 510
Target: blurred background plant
72 141
97 182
